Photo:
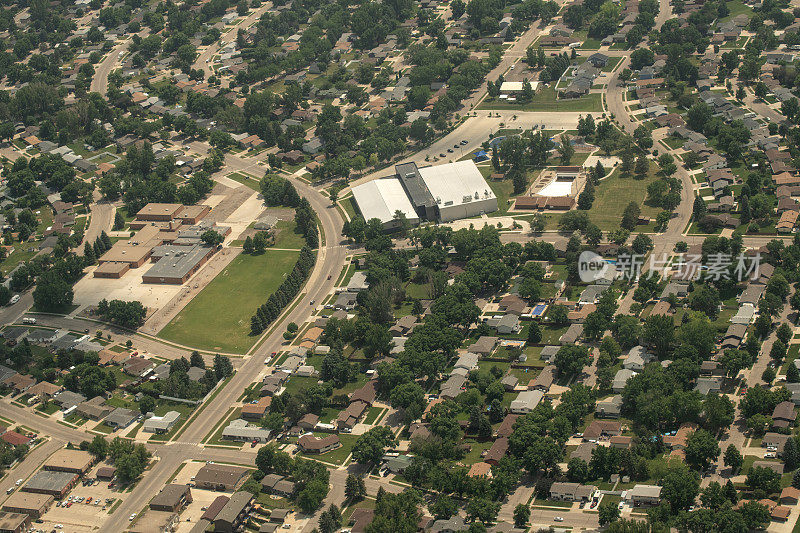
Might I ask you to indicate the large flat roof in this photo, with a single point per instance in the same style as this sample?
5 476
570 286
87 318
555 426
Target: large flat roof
456 183
178 262
157 209
121 252
381 198
412 181
45 480
27 500
69 459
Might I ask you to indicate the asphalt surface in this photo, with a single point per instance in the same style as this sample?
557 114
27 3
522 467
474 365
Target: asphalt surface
99 82
102 219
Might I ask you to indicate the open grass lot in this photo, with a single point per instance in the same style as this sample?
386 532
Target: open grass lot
737 7
247 180
219 317
349 206
614 193
545 100
287 236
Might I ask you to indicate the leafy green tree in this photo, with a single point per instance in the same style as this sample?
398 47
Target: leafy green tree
680 487
443 507
763 479
608 512
396 512
370 446
483 510
147 404
718 412
211 238
701 449
570 359
522 514
52 292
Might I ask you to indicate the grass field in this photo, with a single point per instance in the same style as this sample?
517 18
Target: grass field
545 100
219 317
736 7
349 206
245 179
613 194
287 237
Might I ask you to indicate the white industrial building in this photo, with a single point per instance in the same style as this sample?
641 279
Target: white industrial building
381 199
459 190
442 193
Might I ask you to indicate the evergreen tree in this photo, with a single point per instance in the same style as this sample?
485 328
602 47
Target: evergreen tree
534 333
599 172
791 456
730 492
642 166
792 374
699 208
744 209
247 247
496 160
586 197
88 254
106 240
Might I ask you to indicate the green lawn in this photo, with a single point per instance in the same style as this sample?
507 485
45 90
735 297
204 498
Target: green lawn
372 415
47 408
349 205
737 7
246 180
287 237
219 317
338 455
613 194
545 100
674 142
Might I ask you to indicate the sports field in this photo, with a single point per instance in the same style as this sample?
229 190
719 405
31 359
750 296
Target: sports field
218 319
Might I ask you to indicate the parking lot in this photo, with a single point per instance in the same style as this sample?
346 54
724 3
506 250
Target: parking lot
77 516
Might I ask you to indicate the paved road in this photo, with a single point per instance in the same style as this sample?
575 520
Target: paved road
203 61
737 433
760 107
107 65
102 219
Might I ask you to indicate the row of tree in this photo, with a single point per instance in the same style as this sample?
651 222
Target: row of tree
284 294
